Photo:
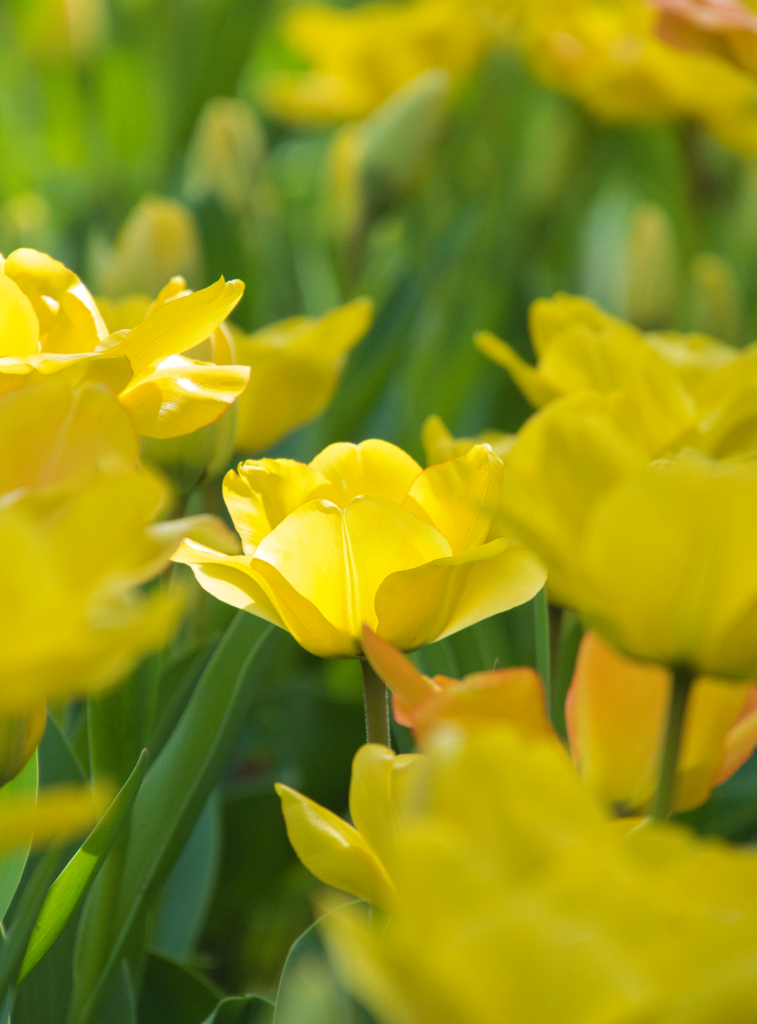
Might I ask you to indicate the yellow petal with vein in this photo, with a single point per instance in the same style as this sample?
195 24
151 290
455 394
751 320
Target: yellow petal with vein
372 467
19 328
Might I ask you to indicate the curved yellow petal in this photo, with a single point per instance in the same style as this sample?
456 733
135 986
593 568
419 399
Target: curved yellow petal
439 444
180 395
459 497
19 327
337 559
263 493
420 605
371 467
59 813
205 529
548 319
332 850
177 325
528 379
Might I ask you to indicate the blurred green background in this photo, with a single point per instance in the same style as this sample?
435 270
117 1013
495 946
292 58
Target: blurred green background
104 102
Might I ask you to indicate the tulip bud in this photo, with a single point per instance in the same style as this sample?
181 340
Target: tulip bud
652 267
225 154
377 162
715 297
19 738
158 240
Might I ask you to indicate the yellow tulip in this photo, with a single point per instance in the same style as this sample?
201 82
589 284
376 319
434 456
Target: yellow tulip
363 535
295 366
357 857
57 814
513 695
51 324
439 444
727 28
76 539
515 899
656 557
616 714
360 56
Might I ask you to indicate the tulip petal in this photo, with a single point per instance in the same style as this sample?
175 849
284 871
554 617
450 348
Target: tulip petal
396 671
420 605
528 379
58 813
263 493
372 467
180 395
548 319
740 739
337 560
459 497
178 325
439 444
333 851
19 333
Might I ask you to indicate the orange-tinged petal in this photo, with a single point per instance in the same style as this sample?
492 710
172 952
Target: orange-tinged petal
19 327
372 467
459 497
335 852
178 325
513 695
180 395
417 606
396 671
264 492
740 740
528 379
338 559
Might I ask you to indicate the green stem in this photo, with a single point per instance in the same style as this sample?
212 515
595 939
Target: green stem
376 699
542 642
663 801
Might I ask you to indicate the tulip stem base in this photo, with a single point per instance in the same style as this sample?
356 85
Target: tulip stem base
663 801
376 699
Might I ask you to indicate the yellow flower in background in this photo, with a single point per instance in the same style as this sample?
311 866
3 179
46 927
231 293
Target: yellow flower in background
727 28
658 558
51 324
439 444
77 537
511 695
57 814
616 712
356 858
295 366
360 56
363 535
514 900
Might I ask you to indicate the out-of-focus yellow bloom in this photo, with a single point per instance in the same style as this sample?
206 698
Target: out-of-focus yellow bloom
727 28
665 390
58 813
158 240
616 58
51 324
616 713
55 29
360 56
19 738
363 535
658 558
76 538
354 857
515 900
439 444
295 366
511 695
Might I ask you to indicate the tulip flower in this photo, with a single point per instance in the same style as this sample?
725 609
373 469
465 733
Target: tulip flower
726 28
57 814
515 899
616 716
439 444
656 557
77 537
360 56
363 535
294 368
52 324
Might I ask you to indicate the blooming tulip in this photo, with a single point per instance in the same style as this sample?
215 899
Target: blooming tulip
514 898
439 444
363 535
295 366
616 715
52 324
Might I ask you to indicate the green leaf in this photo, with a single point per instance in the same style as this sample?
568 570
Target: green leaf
57 761
242 1010
309 992
570 638
32 897
118 1004
173 993
12 864
170 800
79 873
